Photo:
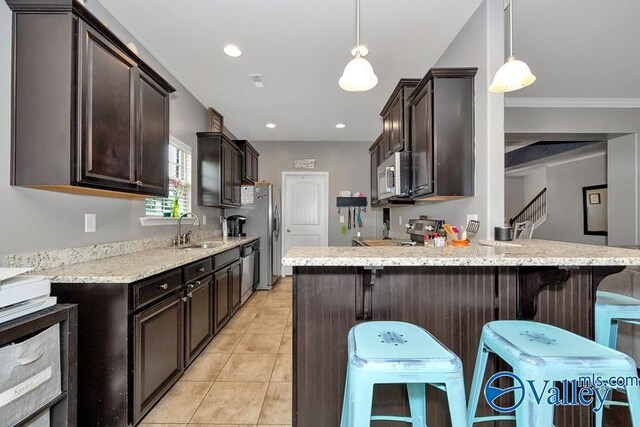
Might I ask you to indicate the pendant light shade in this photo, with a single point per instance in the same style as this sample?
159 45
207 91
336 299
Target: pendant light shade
514 74
358 75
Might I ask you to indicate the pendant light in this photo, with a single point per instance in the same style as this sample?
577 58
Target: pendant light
514 74
358 75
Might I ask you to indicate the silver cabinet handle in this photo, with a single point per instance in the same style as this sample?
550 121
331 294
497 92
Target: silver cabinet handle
198 282
202 269
190 285
138 182
163 286
190 295
184 299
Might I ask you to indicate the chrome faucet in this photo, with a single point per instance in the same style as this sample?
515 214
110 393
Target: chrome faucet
181 239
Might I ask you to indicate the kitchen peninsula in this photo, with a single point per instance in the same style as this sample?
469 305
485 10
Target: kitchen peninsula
451 292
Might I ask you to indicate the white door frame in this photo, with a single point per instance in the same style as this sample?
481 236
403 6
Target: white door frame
286 174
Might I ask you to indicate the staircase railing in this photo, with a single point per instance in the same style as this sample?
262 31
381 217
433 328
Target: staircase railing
534 210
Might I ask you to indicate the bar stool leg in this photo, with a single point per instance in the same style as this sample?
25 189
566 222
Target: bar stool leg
361 401
476 384
457 402
600 413
532 414
345 418
417 404
633 396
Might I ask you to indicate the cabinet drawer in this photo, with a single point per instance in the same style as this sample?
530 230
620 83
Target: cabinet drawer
226 258
30 375
197 269
155 288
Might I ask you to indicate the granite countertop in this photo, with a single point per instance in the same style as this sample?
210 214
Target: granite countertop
135 266
530 253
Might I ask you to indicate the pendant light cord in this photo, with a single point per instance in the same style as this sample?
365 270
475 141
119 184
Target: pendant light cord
510 28
358 26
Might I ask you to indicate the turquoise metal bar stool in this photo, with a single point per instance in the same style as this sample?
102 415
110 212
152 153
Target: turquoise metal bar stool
399 353
611 310
539 352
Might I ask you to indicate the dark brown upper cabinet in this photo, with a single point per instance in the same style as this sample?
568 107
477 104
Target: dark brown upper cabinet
219 171
395 119
442 135
88 114
374 156
249 162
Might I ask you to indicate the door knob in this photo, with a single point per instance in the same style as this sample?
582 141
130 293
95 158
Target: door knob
288 230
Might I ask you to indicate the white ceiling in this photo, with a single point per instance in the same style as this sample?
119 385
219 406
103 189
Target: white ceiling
300 47
579 48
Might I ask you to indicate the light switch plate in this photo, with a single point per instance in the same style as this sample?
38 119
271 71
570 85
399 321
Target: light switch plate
341 219
400 223
204 220
89 223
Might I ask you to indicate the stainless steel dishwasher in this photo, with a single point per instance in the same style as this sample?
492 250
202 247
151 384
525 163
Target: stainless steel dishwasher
250 262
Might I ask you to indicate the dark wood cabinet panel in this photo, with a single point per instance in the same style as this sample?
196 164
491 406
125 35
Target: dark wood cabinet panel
102 112
153 134
158 360
442 134
235 285
249 161
374 157
395 118
221 298
198 317
219 172
108 126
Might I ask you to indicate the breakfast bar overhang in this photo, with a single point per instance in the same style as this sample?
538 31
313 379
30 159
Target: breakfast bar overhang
451 292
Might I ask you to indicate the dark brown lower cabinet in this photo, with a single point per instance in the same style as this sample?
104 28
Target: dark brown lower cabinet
235 285
222 312
158 360
198 317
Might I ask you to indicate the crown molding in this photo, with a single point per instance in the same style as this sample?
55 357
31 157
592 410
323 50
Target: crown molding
517 102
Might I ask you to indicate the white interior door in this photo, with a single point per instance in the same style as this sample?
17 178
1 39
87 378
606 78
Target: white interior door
305 213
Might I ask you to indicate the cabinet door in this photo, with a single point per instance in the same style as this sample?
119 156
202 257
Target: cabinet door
153 137
158 350
422 141
396 142
107 114
235 285
221 298
237 176
374 173
226 174
254 167
385 143
199 317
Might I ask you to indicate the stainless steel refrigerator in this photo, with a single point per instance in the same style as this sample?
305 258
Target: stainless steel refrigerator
263 219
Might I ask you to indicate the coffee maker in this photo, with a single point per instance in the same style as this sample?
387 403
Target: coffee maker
235 224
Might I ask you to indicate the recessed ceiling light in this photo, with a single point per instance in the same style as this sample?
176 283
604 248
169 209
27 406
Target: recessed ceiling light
341 126
271 125
232 50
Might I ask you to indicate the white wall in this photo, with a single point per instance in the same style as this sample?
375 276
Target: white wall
623 154
348 167
564 200
514 199
35 219
479 44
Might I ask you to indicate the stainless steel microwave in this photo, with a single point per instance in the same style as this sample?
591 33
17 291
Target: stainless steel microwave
394 176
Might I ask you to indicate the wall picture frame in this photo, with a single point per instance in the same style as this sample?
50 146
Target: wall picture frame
215 120
594 206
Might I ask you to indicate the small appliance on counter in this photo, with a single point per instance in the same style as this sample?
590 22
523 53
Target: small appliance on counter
235 223
417 228
22 294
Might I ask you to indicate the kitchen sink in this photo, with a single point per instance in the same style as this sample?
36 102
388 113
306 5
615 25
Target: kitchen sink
203 245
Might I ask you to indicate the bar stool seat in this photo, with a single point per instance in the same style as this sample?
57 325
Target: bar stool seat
539 352
399 353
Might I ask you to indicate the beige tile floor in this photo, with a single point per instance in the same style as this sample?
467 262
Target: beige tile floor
243 377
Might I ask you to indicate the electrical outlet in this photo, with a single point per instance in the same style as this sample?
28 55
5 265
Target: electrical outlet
204 220
400 222
89 223
472 217
341 219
